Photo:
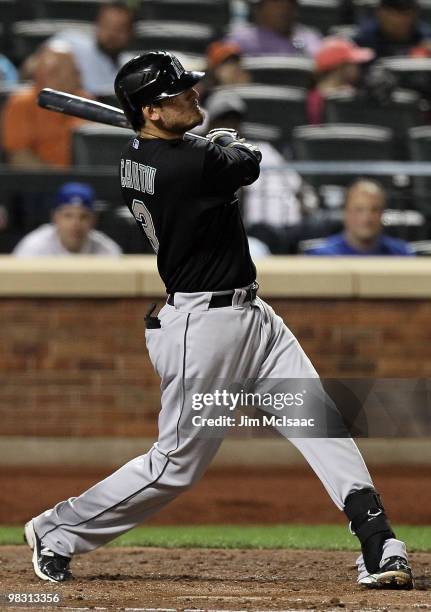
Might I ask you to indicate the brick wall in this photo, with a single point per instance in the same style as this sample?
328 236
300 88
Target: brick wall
79 367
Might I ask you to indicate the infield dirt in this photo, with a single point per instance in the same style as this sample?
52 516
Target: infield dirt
197 579
205 579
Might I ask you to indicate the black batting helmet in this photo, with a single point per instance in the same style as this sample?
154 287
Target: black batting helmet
149 78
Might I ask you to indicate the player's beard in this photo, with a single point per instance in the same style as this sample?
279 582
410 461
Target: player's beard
179 125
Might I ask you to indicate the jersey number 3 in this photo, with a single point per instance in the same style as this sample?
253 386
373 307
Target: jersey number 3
143 217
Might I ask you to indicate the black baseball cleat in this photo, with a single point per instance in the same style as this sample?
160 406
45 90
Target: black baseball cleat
394 574
47 564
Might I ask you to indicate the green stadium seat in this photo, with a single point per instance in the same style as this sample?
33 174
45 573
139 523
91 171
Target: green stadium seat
214 13
99 145
280 70
400 114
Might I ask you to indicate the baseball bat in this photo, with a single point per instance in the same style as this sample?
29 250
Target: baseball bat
77 106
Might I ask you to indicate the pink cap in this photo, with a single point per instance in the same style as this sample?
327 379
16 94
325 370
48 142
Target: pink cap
337 51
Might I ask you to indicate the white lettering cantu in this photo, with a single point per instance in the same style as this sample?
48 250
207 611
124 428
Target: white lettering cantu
137 176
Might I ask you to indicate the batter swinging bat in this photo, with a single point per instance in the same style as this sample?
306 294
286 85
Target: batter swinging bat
62 102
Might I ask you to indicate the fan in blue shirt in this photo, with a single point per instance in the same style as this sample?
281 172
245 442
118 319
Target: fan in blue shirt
363 210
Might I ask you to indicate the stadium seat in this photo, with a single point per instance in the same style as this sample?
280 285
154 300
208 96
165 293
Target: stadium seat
215 13
85 10
421 248
425 10
279 70
345 30
98 145
420 143
258 132
7 17
8 9
172 36
273 106
342 142
420 151
310 243
405 224
319 14
363 9
28 35
411 72
400 114
11 11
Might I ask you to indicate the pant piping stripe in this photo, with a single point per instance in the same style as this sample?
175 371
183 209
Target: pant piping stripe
126 499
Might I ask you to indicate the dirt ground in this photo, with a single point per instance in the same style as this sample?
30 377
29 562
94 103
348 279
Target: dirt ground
153 578
241 580
241 496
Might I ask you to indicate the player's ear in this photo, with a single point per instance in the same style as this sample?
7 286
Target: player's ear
151 112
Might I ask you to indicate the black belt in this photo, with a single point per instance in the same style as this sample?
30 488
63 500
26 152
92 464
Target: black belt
221 301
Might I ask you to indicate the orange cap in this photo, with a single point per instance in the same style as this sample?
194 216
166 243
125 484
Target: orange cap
337 51
219 51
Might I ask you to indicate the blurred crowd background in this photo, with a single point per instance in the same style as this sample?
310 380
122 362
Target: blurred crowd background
336 92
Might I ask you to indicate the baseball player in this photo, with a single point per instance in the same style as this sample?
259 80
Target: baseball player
213 326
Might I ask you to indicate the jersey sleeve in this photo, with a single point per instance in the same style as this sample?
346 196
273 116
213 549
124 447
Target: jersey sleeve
227 169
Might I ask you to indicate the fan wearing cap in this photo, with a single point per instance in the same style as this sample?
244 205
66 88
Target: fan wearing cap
224 64
71 231
395 29
336 70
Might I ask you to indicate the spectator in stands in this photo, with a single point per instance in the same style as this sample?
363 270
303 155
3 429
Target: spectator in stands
275 31
280 198
337 70
71 231
99 55
224 67
8 72
34 137
362 235
395 29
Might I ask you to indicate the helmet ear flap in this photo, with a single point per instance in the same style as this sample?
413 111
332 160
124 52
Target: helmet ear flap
131 110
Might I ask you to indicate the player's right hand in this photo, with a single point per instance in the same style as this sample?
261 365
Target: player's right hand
222 136
242 143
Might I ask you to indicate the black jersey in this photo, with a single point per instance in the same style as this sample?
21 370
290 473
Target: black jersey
182 195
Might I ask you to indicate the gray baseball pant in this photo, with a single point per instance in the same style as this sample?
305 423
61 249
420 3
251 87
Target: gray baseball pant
241 341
